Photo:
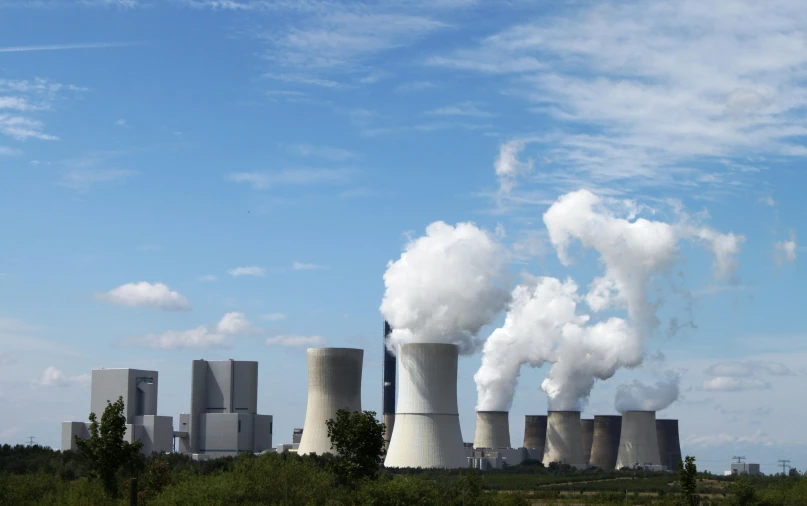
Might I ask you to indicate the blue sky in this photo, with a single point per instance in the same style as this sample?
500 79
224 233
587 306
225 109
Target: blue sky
176 142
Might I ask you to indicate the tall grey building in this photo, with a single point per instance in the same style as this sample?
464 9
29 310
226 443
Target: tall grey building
223 418
139 391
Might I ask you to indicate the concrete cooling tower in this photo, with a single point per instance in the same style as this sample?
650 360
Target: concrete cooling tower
605 445
638 443
535 433
427 425
669 446
564 438
334 383
587 427
492 429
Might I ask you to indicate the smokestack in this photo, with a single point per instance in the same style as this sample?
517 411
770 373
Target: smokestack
638 442
564 438
535 433
669 445
388 387
492 429
605 445
587 427
334 383
427 432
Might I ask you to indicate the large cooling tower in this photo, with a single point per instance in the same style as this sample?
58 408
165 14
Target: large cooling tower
334 383
605 445
587 427
535 433
427 424
638 443
388 388
492 429
669 446
564 439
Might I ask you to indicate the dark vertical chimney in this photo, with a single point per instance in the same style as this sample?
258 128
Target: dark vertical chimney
389 386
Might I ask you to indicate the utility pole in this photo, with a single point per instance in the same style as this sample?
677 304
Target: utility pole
784 464
740 461
31 440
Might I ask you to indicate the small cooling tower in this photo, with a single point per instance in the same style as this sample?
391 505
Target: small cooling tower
334 383
669 446
587 426
492 429
605 445
427 425
535 433
564 438
638 443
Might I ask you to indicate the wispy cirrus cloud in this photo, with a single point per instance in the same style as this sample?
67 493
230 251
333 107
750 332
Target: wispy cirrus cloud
296 341
739 376
21 99
655 93
247 271
470 109
301 266
325 152
84 179
64 47
290 177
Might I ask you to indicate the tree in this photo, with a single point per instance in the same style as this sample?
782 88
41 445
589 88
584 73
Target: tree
358 438
744 493
793 472
688 478
106 450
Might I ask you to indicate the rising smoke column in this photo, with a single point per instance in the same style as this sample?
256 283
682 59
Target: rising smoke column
445 287
632 252
637 396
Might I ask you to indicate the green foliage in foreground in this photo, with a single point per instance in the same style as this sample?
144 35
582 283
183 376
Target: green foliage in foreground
358 438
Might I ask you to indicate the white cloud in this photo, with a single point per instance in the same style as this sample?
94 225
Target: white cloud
326 152
414 86
296 341
62 47
299 266
83 179
121 123
509 168
208 278
785 251
55 377
220 335
730 384
247 271
463 109
6 151
642 88
24 98
145 294
274 317
290 177
22 128
748 368
726 439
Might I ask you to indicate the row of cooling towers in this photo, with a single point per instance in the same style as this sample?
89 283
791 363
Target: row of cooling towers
423 430
609 442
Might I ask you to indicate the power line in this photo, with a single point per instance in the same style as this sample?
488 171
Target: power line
739 459
31 440
784 464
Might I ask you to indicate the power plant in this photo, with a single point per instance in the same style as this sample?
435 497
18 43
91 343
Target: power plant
605 443
638 441
427 426
492 429
334 383
535 433
669 445
564 439
388 388
587 427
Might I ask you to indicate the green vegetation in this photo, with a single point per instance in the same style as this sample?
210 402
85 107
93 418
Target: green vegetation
359 439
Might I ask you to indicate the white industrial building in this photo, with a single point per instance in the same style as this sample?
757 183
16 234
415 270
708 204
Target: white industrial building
139 391
223 419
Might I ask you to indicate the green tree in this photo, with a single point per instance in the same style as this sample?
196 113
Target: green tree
744 494
358 438
106 450
688 479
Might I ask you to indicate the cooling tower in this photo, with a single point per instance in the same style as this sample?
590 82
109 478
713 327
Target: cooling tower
334 383
564 438
535 433
427 424
587 427
669 446
605 445
638 443
492 429
388 388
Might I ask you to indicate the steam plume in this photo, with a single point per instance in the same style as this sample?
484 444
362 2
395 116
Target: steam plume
544 323
445 287
637 396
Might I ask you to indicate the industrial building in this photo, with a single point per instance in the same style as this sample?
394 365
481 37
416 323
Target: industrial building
743 468
605 441
427 426
223 419
638 441
564 439
334 383
139 391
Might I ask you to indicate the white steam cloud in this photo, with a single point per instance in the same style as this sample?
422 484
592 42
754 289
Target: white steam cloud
544 324
446 286
637 396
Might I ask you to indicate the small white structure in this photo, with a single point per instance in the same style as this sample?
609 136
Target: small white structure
427 425
139 391
334 383
492 429
638 441
223 419
564 439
